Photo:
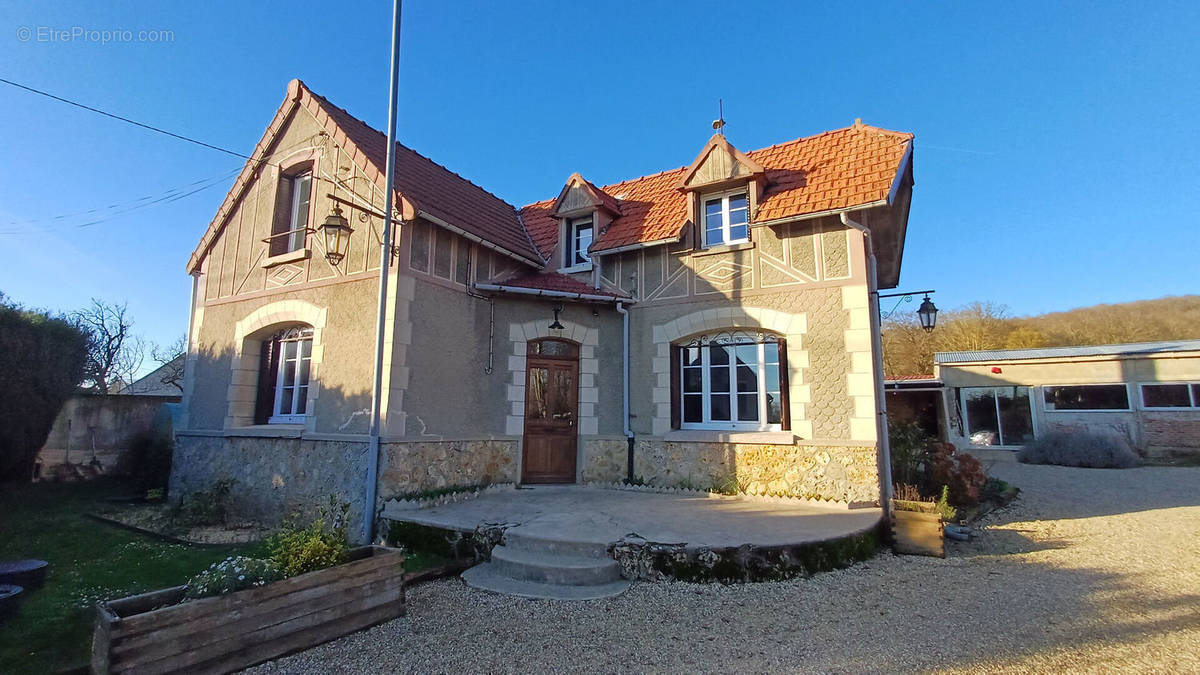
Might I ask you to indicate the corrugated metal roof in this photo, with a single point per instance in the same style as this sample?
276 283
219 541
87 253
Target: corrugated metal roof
1137 348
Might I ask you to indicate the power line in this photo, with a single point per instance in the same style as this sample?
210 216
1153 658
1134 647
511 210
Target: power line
124 119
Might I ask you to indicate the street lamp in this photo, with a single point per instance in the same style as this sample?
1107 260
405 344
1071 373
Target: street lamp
927 313
337 235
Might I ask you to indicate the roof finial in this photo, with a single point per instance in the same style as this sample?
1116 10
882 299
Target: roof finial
719 123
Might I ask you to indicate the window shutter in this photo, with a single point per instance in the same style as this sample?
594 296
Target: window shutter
268 372
676 389
785 409
283 217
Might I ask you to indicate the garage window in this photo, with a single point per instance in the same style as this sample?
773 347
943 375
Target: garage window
1087 397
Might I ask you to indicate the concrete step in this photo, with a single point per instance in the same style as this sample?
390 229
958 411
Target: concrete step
525 542
486 577
554 568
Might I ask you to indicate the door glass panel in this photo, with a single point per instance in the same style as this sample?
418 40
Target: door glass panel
560 402
982 426
774 408
537 407
1016 418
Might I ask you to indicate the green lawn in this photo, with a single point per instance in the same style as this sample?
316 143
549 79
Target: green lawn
89 561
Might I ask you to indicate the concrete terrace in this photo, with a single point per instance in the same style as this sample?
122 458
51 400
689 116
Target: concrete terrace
594 515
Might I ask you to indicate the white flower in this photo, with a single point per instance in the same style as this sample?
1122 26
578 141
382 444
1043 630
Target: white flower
241 577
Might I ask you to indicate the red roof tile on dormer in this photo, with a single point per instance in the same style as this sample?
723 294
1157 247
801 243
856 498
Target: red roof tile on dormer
838 169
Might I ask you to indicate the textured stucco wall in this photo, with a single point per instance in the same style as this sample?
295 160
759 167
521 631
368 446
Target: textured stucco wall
99 426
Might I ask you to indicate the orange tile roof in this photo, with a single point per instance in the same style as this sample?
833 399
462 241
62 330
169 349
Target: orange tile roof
838 169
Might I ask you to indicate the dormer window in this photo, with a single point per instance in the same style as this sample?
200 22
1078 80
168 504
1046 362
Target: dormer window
726 219
291 213
579 238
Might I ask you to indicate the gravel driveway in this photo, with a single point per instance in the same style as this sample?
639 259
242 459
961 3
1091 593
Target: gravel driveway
1091 570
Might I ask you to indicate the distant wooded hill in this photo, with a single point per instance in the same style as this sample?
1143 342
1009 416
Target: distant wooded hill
908 350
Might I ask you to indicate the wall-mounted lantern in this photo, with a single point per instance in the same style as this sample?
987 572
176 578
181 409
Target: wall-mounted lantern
927 313
337 236
556 325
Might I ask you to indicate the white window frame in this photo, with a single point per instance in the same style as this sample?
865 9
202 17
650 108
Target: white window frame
1128 398
1192 397
297 236
966 417
299 337
725 227
703 343
571 245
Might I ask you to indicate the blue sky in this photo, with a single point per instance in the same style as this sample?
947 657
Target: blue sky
1057 152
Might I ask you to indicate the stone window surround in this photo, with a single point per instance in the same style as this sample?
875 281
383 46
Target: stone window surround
791 326
243 383
589 366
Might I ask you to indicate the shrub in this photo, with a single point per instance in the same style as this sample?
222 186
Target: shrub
1095 449
42 360
947 512
207 507
297 548
910 451
232 574
962 474
147 462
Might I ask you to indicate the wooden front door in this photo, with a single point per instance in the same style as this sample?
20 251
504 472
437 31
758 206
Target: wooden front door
551 411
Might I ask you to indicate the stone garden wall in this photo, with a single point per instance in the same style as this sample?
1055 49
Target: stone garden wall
841 473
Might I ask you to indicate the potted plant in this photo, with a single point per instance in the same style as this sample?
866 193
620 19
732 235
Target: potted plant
918 527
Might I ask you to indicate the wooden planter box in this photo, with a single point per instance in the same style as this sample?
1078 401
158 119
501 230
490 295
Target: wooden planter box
158 633
917 532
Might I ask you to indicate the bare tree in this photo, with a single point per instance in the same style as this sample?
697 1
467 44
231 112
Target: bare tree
114 353
171 358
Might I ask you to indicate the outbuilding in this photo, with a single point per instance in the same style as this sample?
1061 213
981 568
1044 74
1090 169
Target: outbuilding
1002 399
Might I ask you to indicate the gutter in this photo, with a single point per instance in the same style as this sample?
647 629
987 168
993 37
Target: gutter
475 238
821 214
881 425
641 245
547 293
625 389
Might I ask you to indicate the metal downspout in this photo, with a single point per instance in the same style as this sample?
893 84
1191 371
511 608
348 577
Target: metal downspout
625 387
385 258
881 425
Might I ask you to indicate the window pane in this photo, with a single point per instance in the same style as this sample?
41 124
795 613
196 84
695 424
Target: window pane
738 233
305 348
285 401
289 350
982 426
737 217
771 383
714 236
1196 395
719 406
737 202
691 356
1016 418
443 240
771 353
1166 395
1087 397
303 379
718 378
712 206
774 408
301 400
746 354
692 379
560 405
462 262
693 408
748 407
747 378
718 355
302 192
583 239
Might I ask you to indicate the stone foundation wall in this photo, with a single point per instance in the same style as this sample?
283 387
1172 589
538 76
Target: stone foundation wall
419 466
272 477
831 472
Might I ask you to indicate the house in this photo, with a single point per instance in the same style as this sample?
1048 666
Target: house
1148 392
734 291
